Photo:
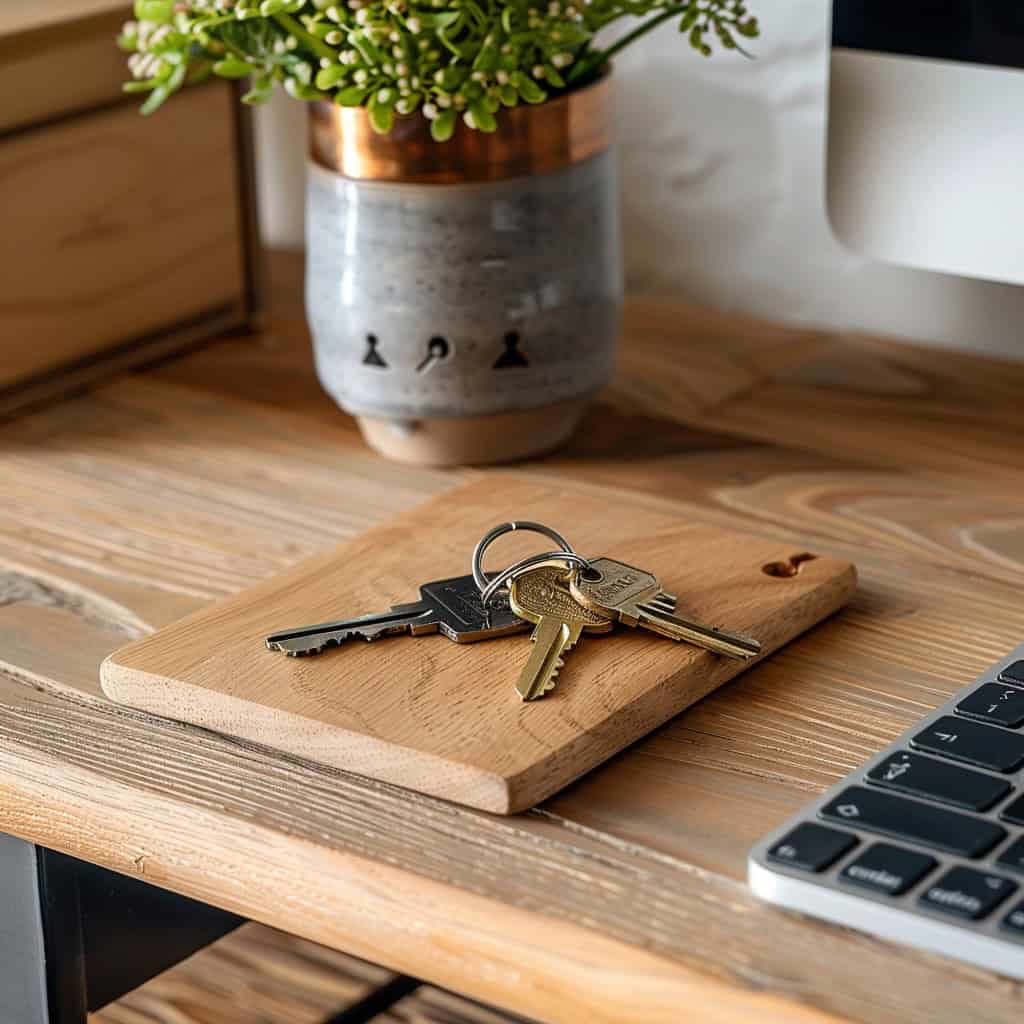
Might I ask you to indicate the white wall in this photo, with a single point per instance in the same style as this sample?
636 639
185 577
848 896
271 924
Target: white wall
723 192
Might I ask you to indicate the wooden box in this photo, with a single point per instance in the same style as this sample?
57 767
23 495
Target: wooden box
123 238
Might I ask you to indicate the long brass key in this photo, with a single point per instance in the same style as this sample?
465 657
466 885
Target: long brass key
629 595
542 596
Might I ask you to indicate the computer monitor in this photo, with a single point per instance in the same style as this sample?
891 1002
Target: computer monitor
926 133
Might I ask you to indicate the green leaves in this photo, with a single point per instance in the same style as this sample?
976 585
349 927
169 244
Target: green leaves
449 59
480 116
442 127
529 91
159 11
232 67
329 77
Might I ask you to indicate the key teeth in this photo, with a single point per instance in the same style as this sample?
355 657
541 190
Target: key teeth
323 645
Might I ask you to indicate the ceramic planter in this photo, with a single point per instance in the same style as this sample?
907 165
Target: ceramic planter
465 297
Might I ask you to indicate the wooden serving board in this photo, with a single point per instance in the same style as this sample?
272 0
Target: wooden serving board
444 718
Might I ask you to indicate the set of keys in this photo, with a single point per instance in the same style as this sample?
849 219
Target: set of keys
560 594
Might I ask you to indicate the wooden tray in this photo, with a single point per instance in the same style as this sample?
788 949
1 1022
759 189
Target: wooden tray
444 718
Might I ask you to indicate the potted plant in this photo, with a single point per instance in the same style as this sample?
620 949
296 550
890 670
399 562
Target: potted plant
464 281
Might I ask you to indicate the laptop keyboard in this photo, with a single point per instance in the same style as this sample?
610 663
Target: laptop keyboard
924 844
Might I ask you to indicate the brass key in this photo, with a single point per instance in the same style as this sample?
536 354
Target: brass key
542 596
629 595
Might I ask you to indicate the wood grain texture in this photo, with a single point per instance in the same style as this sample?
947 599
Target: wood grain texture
622 898
429 1005
26 15
444 718
74 35
114 228
254 976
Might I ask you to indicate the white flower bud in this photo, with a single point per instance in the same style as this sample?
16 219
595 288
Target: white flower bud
430 111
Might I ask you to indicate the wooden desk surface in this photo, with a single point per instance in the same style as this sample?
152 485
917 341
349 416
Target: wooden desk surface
623 898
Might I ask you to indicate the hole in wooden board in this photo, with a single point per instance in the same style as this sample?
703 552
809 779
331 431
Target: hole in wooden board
789 568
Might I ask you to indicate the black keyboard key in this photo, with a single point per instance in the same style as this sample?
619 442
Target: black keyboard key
964 892
887 869
1000 705
1013 923
924 776
811 847
894 816
1013 856
1014 813
1013 674
980 745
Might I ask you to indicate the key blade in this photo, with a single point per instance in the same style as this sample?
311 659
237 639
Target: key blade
551 641
308 640
731 645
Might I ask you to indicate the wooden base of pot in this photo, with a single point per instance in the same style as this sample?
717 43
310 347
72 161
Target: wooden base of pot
474 440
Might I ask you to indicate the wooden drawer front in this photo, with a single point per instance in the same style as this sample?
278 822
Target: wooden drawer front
115 226
59 68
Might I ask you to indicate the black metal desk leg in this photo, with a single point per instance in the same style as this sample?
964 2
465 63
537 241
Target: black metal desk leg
42 963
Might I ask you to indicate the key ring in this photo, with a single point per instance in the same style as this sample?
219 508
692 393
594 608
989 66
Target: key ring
563 558
490 587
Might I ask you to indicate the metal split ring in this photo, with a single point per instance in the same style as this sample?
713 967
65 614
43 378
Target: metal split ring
490 586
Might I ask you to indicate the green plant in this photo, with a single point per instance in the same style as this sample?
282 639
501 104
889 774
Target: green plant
445 58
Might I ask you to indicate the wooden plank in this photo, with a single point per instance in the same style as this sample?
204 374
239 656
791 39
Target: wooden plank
37 64
388 711
29 15
148 238
434 1006
252 976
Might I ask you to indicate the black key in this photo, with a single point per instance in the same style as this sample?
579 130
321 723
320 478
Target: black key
887 869
976 744
1000 705
1013 856
1013 674
964 892
1014 813
924 776
894 816
1013 923
811 847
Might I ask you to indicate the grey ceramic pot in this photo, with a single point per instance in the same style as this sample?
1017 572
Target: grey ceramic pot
465 299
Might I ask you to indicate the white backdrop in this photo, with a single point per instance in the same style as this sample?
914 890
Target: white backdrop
722 177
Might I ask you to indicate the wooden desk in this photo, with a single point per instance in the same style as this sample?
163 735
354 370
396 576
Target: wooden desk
623 899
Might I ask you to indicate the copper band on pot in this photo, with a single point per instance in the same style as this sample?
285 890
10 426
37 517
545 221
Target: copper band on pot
529 140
